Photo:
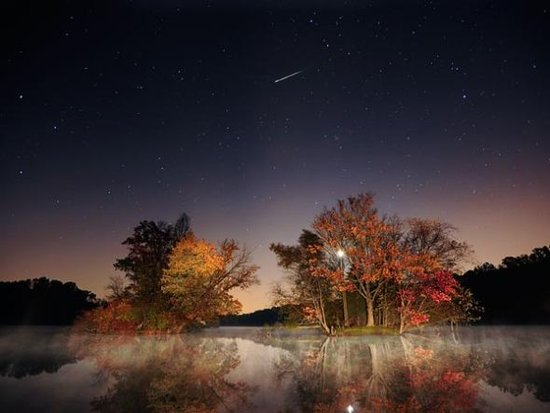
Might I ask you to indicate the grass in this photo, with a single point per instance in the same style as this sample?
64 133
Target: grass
365 331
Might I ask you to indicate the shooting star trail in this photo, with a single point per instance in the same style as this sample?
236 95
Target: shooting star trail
288 76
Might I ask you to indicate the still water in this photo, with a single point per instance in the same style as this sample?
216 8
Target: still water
485 369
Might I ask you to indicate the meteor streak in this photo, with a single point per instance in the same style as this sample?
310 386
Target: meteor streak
288 76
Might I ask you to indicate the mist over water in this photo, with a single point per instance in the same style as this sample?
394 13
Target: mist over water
485 369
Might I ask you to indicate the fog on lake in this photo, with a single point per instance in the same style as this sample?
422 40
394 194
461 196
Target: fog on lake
485 369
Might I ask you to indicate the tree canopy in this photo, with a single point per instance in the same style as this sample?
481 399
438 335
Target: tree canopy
402 269
200 278
149 248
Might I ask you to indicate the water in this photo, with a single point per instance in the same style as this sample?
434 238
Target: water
486 369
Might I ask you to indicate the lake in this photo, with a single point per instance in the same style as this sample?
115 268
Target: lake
233 369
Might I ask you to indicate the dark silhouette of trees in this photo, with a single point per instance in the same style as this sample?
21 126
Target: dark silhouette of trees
267 316
149 248
515 292
43 301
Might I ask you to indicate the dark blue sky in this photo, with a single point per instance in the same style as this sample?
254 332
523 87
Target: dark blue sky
113 112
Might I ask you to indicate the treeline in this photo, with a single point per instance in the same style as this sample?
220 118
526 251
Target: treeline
42 301
268 316
515 292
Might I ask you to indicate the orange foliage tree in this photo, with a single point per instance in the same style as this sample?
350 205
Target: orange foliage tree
201 276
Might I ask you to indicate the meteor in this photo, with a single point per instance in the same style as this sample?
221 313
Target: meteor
288 76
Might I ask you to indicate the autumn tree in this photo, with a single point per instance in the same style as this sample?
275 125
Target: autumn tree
304 289
149 248
369 242
200 277
403 269
427 289
422 295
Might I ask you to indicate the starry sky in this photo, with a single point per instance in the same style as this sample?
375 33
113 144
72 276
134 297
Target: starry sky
112 112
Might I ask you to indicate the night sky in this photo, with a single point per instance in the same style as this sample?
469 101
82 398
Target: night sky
118 111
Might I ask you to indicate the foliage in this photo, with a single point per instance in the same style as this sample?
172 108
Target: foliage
368 242
149 248
200 277
313 294
176 281
402 269
115 316
423 296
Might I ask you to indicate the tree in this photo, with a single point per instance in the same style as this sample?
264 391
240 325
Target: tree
437 239
424 294
149 248
402 269
117 288
370 244
200 277
426 289
306 290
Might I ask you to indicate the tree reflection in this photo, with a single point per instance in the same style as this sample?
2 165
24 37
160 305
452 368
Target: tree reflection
171 374
24 353
386 375
203 373
519 362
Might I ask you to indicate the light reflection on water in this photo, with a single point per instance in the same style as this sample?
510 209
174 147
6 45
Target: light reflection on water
487 369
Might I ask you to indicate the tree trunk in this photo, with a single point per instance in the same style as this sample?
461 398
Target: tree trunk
365 292
346 313
370 313
402 318
321 317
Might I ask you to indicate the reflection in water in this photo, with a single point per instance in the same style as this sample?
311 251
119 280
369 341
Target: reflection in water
170 374
519 365
248 370
31 351
389 374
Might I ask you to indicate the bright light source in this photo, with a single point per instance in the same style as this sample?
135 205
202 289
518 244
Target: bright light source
350 409
340 253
